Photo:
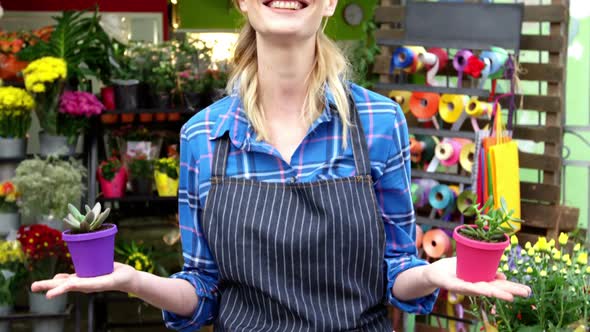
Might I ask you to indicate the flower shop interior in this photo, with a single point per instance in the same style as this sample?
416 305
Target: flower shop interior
94 94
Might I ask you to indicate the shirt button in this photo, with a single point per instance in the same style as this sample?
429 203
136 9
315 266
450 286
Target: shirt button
293 179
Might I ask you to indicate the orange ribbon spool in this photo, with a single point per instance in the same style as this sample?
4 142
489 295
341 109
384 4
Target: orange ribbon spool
424 105
436 243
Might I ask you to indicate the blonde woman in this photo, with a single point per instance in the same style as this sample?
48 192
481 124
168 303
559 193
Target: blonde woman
295 208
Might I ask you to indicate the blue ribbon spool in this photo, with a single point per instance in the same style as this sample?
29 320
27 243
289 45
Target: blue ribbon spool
498 58
442 198
402 58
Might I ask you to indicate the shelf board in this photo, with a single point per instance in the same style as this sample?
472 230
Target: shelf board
152 110
434 89
138 198
441 177
31 156
436 223
35 316
441 133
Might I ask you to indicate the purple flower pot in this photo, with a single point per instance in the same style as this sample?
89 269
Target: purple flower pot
93 253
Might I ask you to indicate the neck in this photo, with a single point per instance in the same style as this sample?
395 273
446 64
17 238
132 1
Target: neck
283 71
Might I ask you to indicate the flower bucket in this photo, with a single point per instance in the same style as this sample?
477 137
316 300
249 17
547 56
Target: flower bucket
166 186
127 118
39 304
9 222
5 310
93 253
142 186
55 145
107 94
163 103
116 187
13 147
146 117
174 116
477 261
126 94
109 118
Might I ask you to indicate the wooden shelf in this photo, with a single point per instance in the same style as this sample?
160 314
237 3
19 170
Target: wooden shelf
34 316
138 198
434 89
441 177
153 110
441 133
437 223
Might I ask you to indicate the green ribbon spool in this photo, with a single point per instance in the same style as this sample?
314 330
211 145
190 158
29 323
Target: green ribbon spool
466 199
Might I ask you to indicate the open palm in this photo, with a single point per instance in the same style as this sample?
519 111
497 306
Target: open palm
444 276
119 280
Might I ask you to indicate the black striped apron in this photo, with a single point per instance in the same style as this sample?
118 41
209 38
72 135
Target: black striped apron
298 256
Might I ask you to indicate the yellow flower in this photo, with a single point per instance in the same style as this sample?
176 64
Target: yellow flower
554 268
565 257
582 258
563 238
506 268
529 270
504 258
520 261
552 243
563 271
557 255
577 271
577 247
542 244
588 269
528 245
531 252
513 240
538 260
543 273
568 263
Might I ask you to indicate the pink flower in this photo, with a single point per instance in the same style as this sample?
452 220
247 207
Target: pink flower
79 103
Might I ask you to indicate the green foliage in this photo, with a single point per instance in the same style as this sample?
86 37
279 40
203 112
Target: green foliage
77 39
110 167
491 226
362 56
168 166
141 168
90 222
48 185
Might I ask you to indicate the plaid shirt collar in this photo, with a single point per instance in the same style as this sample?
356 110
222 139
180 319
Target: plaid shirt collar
242 134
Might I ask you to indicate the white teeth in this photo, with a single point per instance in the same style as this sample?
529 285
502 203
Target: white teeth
293 5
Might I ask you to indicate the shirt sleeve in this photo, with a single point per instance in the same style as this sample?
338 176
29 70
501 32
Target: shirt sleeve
395 201
199 267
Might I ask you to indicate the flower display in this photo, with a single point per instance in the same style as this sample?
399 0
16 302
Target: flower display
80 104
46 70
46 254
8 197
11 265
136 255
16 105
110 167
559 280
169 166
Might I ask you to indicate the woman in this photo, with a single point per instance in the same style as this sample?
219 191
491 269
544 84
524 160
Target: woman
295 209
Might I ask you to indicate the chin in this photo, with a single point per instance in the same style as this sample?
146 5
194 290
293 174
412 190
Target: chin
298 19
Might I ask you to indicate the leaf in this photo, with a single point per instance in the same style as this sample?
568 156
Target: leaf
101 218
88 209
84 227
503 204
72 222
96 209
75 213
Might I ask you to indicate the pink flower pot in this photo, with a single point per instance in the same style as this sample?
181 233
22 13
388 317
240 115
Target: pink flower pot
477 261
116 187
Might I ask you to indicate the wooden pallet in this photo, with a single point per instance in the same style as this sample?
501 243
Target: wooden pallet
541 208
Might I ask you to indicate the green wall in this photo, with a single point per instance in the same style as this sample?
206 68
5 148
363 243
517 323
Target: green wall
216 15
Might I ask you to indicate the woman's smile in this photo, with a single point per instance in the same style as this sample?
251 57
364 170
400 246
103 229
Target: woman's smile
286 6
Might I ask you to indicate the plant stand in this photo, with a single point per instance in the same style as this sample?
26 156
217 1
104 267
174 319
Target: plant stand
55 145
38 303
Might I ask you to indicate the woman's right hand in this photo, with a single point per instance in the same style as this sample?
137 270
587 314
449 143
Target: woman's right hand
121 280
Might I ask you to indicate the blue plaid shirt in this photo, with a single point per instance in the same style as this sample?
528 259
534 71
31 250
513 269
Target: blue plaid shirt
319 157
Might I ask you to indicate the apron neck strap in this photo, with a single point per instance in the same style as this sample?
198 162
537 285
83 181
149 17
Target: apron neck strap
360 149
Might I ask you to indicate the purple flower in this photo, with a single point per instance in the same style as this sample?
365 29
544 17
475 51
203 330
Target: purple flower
79 104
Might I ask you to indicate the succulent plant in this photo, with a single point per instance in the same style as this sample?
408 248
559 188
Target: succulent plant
90 222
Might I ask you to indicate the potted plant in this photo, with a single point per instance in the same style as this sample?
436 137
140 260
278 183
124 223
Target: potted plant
138 140
480 246
44 79
11 269
125 81
166 175
112 176
47 186
9 216
141 171
91 242
75 110
162 80
558 276
192 87
46 255
15 119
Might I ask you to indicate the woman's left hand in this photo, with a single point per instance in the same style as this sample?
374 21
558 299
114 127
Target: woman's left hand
441 274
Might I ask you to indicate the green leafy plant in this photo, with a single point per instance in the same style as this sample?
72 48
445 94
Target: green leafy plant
110 167
90 222
491 226
141 168
363 54
78 40
48 185
12 266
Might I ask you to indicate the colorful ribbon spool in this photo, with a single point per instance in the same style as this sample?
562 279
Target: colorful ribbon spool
406 58
460 62
450 107
421 148
467 157
477 108
417 65
497 57
442 198
448 152
423 192
402 98
466 199
441 55
424 105
436 243
419 236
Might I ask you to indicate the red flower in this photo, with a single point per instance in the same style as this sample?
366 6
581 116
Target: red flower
474 67
519 316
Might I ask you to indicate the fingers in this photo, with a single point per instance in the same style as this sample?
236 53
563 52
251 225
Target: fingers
83 285
500 276
40 286
488 290
513 288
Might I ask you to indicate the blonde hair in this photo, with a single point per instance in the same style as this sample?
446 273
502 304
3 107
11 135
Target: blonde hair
330 69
